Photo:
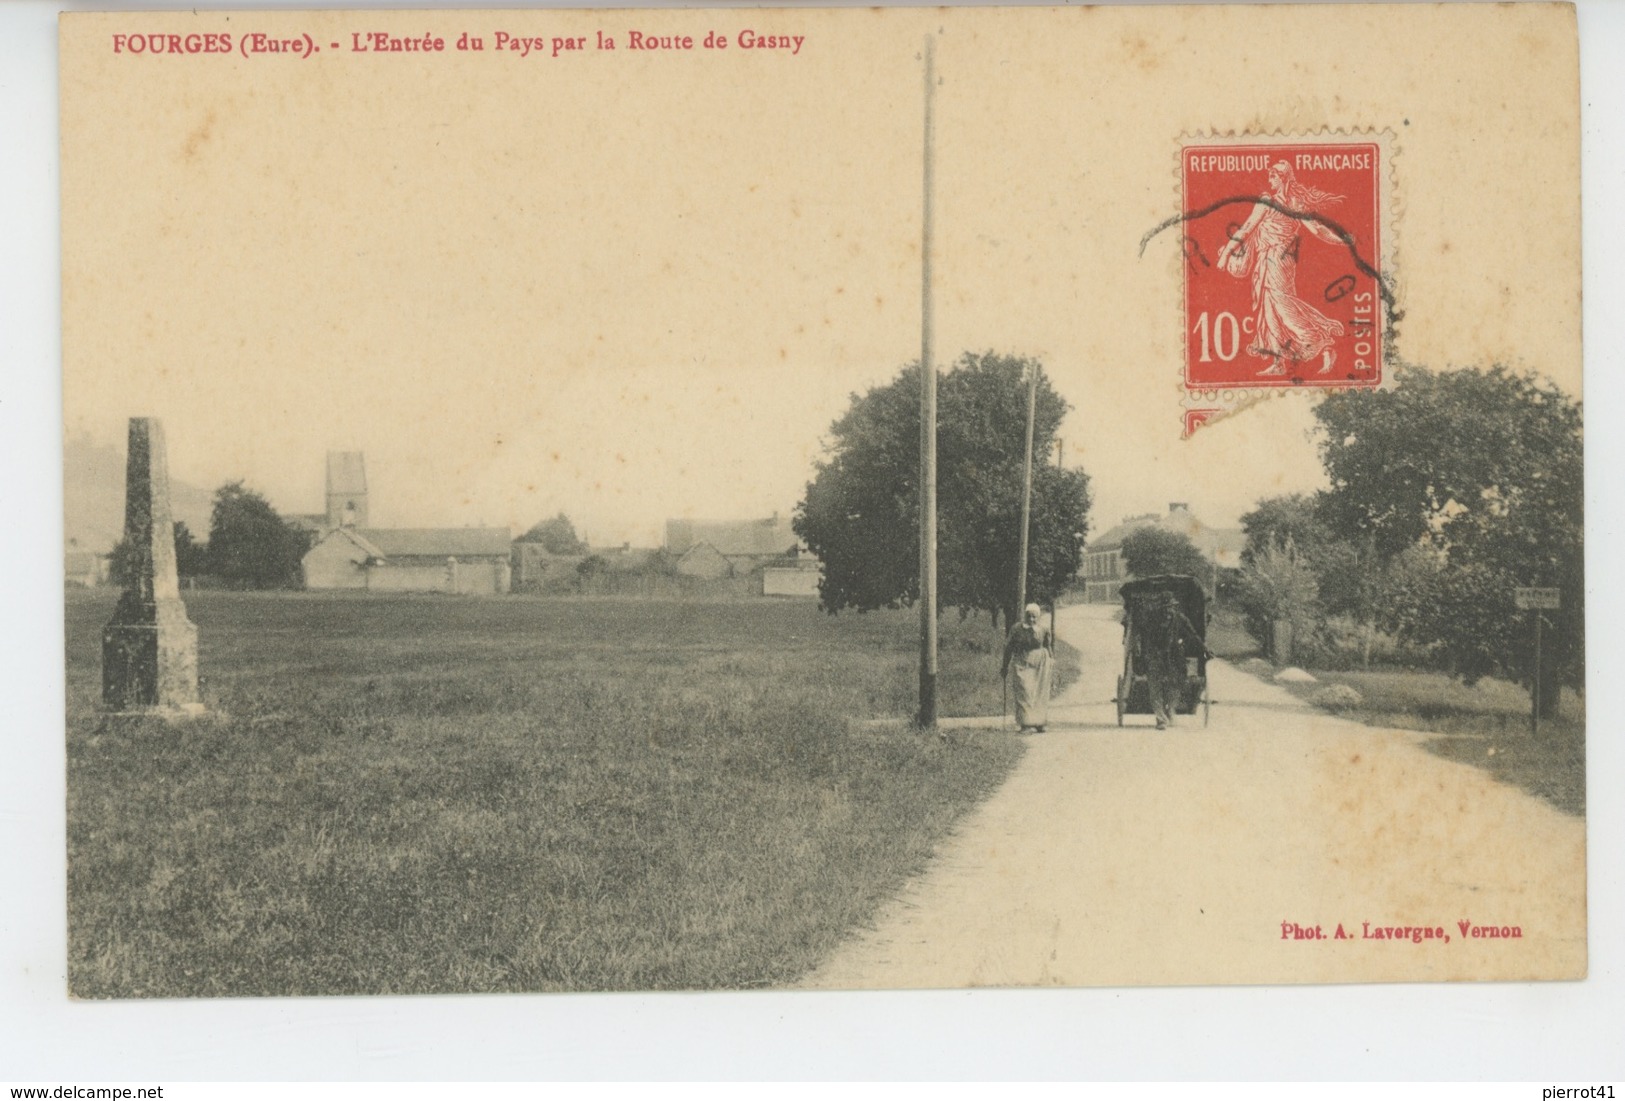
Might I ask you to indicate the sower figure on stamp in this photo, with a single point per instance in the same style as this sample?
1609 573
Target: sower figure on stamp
1163 638
1285 327
1027 649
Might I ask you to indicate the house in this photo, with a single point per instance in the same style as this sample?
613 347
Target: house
448 560
745 544
1104 570
745 549
347 554
701 548
704 561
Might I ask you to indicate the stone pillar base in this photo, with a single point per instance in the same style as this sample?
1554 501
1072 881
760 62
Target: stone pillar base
149 660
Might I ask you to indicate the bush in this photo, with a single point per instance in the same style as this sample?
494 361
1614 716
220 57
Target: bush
1280 601
1343 643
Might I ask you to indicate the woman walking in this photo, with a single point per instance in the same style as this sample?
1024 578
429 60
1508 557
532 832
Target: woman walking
1028 649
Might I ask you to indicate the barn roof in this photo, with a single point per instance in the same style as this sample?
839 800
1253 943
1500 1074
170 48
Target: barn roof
438 542
349 535
700 551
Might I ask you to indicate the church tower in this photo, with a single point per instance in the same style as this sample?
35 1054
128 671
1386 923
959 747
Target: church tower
346 489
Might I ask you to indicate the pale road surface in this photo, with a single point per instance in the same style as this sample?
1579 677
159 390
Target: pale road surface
1132 856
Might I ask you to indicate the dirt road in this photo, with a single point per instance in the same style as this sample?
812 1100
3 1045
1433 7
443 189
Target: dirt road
1132 856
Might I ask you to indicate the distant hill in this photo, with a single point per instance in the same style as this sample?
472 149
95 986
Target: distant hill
93 497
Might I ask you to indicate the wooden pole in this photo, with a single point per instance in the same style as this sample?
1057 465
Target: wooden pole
1055 602
928 434
1027 487
1534 690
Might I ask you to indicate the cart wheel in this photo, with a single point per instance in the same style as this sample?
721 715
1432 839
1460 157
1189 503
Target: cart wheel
1122 700
1207 704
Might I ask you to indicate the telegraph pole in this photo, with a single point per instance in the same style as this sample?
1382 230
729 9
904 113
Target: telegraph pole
1534 694
928 436
1055 601
1027 486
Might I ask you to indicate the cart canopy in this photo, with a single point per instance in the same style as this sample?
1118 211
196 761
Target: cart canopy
1187 591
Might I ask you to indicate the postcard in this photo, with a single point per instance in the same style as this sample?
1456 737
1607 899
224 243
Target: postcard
822 499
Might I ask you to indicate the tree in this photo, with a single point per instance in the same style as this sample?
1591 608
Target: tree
1279 598
556 535
1295 516
121 564
860 514
250 546
1485 467
1348 580
1150 550
191 557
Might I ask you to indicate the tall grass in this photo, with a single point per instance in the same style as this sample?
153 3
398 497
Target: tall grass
424 794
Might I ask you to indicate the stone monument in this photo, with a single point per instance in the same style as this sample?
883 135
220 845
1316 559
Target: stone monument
149 647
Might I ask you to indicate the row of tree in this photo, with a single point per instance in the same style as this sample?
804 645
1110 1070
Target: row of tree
1446 494
861 511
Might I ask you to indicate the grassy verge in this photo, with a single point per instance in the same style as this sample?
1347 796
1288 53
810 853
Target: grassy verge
424 794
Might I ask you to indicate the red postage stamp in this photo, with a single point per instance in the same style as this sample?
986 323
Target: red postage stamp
1281 255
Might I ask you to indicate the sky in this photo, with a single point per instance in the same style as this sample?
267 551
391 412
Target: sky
632 286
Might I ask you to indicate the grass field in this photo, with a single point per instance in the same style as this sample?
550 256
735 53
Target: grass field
427 794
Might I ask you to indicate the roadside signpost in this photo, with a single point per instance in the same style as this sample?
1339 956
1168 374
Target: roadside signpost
1536 598
1537 601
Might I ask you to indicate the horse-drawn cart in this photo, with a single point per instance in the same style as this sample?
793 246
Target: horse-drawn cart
1164 648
